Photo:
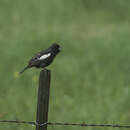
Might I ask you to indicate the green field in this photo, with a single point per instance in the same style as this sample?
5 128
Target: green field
90 78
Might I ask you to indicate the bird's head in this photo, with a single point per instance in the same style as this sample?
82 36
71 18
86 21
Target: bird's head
56 48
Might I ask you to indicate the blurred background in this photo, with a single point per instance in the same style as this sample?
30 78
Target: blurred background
90 78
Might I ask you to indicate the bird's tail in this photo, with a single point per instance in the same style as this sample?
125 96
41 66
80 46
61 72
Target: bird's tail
24 69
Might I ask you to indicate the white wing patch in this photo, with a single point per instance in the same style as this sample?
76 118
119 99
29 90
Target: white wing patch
44 56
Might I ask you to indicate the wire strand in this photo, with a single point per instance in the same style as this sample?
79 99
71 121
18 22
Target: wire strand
64 124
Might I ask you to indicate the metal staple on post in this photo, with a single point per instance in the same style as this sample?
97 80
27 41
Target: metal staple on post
43 99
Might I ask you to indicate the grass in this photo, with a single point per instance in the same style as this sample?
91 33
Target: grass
90 78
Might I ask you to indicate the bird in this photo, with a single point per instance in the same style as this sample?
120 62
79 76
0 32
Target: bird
44 58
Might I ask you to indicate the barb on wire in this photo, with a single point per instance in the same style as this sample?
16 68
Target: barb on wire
65 124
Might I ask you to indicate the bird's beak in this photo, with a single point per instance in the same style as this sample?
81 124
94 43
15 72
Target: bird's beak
60 49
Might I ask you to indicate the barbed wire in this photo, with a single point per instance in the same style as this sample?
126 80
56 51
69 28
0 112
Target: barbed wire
91 125
18 122
64 124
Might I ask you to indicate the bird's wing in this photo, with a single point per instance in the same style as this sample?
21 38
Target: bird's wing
44 56
41 55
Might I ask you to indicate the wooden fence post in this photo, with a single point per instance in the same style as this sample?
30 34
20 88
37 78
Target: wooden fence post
43 99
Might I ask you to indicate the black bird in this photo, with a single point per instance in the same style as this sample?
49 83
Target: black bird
43 58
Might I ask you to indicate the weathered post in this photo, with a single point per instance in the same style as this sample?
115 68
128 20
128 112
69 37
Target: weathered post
43 99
